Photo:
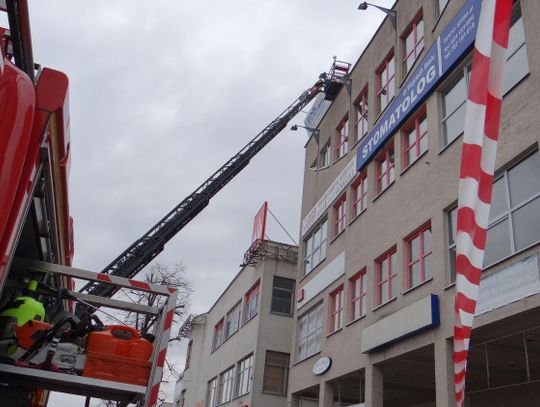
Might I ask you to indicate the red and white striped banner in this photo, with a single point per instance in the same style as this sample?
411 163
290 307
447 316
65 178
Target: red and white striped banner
479 150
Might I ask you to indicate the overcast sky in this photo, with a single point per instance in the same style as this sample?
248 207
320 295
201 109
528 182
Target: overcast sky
162 93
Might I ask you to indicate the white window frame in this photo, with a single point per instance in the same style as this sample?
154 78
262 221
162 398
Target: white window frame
232 320
226 381
309 264
243 376
312 332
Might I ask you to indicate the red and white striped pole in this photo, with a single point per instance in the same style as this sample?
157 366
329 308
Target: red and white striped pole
162 342
479 150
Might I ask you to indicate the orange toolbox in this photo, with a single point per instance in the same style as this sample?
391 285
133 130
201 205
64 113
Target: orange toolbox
118 353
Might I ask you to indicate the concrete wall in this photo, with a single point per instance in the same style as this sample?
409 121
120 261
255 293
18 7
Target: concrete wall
420 193
264 331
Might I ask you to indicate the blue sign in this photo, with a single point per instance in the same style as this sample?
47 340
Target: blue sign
454 42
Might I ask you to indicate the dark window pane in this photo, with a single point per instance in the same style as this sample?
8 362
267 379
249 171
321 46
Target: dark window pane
506 361
499 203
477 369
453 126
498 243
532 340
524 180
527 224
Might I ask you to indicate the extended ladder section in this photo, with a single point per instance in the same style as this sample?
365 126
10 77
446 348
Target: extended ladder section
141 252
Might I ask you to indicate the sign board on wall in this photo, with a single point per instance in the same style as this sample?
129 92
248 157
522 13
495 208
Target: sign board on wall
330 195
321 366
412 319
453 43
317 111
513 283
325 277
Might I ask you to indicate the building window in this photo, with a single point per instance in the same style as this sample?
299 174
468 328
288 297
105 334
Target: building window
324 156
413 42
251 302
454 100
309 333
359 195
440 6
517 64
514 221
386 270
335 320
451 217
218 335
315 247
386 171
232 320
243 376
415 139
276 366
358 295
188 355
282 296
211 393
342 137
361 109
226 385
386 82
419 256
340 215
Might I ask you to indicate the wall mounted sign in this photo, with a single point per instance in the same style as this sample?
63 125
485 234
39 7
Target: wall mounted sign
322 365
511 284
317 111
325 277
453 43
410 320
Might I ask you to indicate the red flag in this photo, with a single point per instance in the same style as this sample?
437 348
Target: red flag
479 150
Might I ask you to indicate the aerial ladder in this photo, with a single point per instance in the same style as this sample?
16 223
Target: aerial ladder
132 260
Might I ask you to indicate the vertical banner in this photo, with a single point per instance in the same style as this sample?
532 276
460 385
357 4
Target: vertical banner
482 121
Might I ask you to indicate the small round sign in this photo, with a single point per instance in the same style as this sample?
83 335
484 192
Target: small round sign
321 365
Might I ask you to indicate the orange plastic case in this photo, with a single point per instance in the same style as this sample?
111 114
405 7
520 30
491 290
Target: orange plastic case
26 333
118 353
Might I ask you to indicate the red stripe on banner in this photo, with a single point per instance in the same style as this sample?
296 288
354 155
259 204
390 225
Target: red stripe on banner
171 289
140 284
468 271
463 332
168 320
479 78
503 12
493 117
153 398
466 222
485 188
161 358
466 304
104 277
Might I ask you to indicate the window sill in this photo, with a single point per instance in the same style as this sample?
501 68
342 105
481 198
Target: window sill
340 158
239 396
336 236
306 358
273 393
383 191
247 322
356 217
442 150
384 303
312 270
281 314
414 162
334 332
408 290
449 286
384 110
356 320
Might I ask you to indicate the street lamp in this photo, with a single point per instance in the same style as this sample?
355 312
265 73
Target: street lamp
391 13
313 131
